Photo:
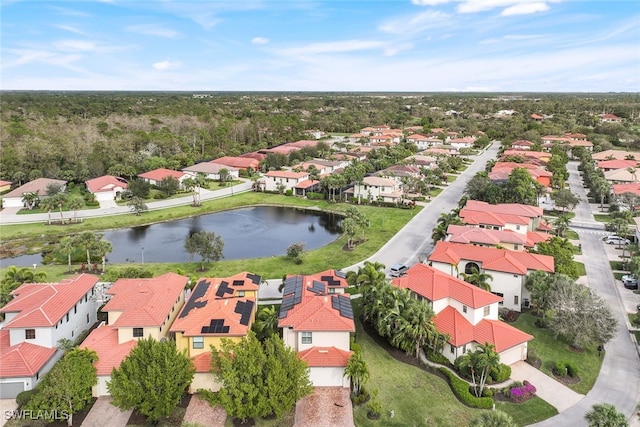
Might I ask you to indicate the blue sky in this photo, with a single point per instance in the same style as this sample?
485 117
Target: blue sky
298 45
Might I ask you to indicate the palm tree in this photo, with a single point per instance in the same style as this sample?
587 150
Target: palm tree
137 205
67 246
495 418
480 363
538 284
367 275
605 415
75 203
30 200
357 372
445 219
102 248
87 241
417 328
48 203
59 200
266 323
478 278
562 224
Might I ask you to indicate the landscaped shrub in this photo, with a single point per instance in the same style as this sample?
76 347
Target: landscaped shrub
461 389
314 196
560 368
532 358
521 393
572 369
289 192
436 357
359 399
487 392
159 196
25 396
501 373
463 371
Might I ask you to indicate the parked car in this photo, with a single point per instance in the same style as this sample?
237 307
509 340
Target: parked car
398 270
616 240
630 281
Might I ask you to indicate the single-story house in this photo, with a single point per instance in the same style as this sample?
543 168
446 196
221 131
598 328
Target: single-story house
243 163
5 185
106 187
154 177
13 199
211 170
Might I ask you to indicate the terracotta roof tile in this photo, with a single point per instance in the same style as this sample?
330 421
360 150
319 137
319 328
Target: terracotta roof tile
202 362
238 162
44 304
325 357
104 341
504 208
315 313
36 186
145 302
21 360
491 258
161 173
434 285
463 234
105 183
449 321
287 174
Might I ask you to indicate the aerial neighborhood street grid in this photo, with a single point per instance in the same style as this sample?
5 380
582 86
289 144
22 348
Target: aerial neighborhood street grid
392 213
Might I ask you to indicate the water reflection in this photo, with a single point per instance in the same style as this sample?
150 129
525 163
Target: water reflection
253 232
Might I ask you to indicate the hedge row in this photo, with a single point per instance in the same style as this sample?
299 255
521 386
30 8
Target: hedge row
461 389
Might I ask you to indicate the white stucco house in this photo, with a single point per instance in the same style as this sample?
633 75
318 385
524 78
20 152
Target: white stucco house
285 178
38 316
316 318
374 188
13 199
211 170
106 187
466 313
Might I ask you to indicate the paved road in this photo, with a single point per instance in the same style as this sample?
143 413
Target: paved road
619 379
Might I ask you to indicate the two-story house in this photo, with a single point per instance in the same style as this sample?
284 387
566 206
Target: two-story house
533 214
508 269
284 180
217 308
466 313
374 188
137 308
486 237
316 318
36 319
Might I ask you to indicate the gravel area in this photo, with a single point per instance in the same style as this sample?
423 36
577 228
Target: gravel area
201 413
325 407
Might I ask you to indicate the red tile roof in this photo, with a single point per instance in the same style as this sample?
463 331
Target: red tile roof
202 362
145 302
617 164
535 237
3 183
104 341
508 208
522 143
491 218
21 360
633 187
287 174
315 313
208 167
434 285
161 173
105 183
462 234
325 357
461 331
308 183
44 304
491 258
238 162
254 155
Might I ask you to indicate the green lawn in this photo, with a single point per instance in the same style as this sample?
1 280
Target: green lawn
580 268
435 192
554 213
571 235
530 412
385 223
551 349
602 217
451 178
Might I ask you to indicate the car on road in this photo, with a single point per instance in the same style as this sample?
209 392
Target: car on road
398 270
630 281
616 240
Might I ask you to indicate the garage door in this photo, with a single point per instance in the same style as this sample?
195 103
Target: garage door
10 390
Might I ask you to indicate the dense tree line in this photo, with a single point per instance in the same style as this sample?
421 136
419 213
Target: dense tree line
80 135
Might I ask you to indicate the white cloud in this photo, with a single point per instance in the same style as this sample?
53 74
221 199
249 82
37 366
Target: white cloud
74 45
525 9
335 47
166 65
70 29
259 40
153 30
416 23
429 2
395 49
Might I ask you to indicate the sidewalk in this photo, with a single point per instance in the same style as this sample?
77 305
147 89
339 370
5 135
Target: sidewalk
104 414
551 391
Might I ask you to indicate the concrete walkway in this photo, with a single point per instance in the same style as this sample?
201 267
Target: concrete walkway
551 391
104 414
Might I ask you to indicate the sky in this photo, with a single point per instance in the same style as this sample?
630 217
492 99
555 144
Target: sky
336 45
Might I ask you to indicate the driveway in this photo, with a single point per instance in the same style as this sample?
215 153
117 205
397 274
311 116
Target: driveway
325 407
6 407
104 414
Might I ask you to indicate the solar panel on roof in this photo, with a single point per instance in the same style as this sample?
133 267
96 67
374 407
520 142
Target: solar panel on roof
244 308
341 274
343 305
254 278
317 287
238 283
330 280
198 292
224 289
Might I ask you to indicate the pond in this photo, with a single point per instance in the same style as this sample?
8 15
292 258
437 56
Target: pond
253 232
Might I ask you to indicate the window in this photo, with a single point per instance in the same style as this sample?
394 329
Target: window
471 268
487 310
515 299
516 247
87 317
332 290
464 308
501 296
307 338
72 333
29 334
75 309
198 342
452 348
67 317
517 227
464 349
240 293
138 332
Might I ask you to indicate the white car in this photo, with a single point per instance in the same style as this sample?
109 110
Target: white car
616 240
